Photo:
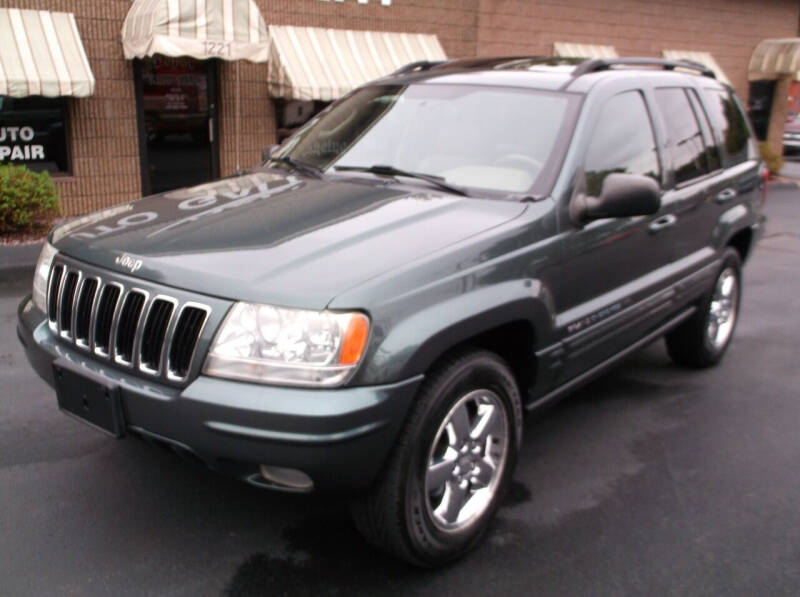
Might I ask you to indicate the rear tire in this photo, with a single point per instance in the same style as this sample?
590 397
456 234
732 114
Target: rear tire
452 462
701 341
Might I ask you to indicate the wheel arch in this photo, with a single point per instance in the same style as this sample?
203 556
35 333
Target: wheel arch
742 241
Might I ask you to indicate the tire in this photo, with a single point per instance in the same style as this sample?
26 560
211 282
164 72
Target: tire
405 512
691 343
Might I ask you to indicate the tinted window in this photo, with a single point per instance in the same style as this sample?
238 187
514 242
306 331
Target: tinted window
712 151
685 141
622 141
33 133
730 124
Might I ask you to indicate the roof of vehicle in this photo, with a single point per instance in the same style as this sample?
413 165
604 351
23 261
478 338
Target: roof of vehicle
548 72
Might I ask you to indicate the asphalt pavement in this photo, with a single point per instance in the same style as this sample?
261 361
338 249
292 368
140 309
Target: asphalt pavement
651 480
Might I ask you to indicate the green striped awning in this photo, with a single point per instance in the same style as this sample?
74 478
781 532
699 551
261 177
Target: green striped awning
41 54
574 50
774 58
704 58
226 29
311 63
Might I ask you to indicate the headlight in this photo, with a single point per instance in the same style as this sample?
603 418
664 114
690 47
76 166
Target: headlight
287 346
40 275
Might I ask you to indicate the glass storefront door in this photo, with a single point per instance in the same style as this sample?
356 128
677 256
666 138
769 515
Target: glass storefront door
177 108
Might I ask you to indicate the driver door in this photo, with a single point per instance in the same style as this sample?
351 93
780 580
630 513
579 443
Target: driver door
611 265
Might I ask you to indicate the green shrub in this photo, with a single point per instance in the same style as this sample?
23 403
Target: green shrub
772 159
28 199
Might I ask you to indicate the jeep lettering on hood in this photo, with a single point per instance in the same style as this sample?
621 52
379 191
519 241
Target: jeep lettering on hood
272 237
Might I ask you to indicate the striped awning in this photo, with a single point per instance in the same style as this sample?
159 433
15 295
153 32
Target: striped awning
704 58
773 58
308 63
202 29
571 50
41 54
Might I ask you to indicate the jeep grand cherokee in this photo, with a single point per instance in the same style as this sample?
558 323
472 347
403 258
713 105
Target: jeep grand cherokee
373 308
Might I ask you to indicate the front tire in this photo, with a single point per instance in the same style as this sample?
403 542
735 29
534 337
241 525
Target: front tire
451 464
702 340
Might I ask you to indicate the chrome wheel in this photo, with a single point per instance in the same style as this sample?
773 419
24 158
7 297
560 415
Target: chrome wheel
466 460
722 309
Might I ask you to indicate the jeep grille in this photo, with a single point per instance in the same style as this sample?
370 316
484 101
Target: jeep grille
124 324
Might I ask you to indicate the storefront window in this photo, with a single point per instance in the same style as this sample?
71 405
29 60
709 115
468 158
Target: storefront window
33 132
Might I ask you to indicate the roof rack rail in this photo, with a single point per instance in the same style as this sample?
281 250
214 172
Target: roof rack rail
600 64
420 65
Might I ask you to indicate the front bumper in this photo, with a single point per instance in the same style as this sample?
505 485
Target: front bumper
338 437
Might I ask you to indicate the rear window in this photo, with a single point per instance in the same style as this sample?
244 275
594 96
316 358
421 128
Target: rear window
730 124
686 144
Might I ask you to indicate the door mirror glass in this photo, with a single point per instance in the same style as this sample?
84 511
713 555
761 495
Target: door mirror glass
622 196
267 152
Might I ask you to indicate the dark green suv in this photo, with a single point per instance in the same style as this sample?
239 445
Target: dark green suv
373 308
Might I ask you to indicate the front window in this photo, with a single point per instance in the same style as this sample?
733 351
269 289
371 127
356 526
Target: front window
492 138
33 133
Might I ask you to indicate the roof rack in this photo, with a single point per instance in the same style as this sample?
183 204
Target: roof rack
420 65
600 64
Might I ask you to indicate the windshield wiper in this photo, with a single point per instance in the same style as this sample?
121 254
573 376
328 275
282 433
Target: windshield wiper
298 165
383 170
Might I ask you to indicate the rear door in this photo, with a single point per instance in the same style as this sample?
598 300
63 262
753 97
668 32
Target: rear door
693 165
739 183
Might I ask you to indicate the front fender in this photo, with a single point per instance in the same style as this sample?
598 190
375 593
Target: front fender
412 345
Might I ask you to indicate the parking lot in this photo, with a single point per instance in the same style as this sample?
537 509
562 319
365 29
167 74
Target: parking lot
651 480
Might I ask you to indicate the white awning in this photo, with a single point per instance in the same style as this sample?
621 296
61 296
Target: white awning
571 50
308 63
226 29
41 54
704 58
774 58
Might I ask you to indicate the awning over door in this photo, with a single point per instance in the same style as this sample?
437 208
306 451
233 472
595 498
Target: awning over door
704 58
308 63
226 29
571 50
41 54
774 58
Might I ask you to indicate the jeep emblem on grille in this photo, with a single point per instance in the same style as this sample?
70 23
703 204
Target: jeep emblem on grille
128 262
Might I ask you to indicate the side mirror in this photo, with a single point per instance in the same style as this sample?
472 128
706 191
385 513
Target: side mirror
267 152
622 196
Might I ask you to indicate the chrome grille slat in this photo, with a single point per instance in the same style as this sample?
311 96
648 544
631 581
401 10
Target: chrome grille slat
66 306
128 326
53 289
190 324
156 325
84 307
89 311
104 318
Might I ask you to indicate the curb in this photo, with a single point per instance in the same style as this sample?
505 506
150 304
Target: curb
18 261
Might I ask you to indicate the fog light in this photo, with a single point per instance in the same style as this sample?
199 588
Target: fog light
287 477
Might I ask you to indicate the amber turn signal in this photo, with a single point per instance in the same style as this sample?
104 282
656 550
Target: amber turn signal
354 340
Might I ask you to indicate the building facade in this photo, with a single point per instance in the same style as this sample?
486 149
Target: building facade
115 147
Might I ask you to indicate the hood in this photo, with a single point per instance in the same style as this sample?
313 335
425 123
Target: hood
275 238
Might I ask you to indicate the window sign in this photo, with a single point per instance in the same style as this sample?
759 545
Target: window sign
33 132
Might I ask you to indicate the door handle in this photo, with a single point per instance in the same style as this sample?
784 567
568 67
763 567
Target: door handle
662 223
211 130
726 195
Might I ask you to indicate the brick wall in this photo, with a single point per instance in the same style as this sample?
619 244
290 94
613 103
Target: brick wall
728 29
103 131
454 21
103 134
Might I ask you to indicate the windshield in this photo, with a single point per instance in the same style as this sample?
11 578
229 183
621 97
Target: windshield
495 138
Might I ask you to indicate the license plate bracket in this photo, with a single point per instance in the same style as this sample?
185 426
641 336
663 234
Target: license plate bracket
89 398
